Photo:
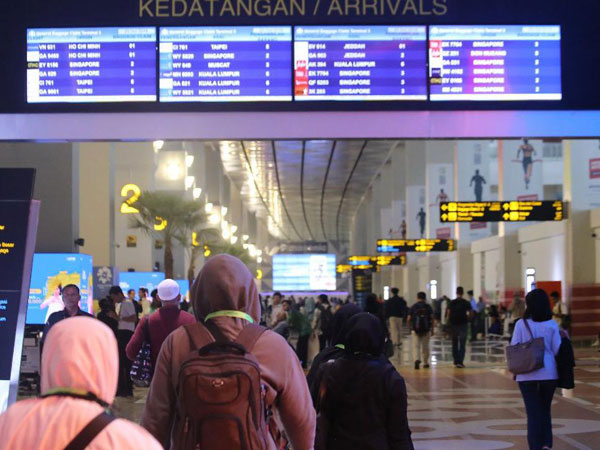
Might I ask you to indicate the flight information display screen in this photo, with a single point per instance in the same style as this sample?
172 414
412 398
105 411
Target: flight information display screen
81 65
219 64
415 245
495 62
507 211
360 63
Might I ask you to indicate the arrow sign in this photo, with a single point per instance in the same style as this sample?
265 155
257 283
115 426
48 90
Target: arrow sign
506 216
506 206
444 207
444 217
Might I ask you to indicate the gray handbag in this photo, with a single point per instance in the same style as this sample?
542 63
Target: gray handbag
526 357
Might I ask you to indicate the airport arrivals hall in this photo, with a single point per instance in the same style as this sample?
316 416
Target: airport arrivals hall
300 224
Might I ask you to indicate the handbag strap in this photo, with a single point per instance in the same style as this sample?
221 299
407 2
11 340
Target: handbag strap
528 329
90 431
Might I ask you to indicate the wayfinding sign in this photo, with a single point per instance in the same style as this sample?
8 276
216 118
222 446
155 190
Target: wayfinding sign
502 211
18 226
415 245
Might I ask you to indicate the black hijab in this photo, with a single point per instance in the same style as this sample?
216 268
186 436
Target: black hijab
339 322
364 335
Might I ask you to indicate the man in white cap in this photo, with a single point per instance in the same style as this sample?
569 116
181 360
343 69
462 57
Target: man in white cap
161 322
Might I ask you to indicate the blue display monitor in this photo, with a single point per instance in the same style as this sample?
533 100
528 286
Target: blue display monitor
360 63
50 273
304 272
81 65
184 288
218 64
136 280
495 62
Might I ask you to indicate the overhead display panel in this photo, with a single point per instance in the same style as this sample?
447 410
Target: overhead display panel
360 63
515 211
415 245
391 260
87 65
495 62
223 64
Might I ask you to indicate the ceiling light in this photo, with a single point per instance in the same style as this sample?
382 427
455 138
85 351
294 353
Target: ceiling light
226 235
174 170
189 182
158 145
234 228
259 260
270 164
245 237
234 239
259 252
224 210
208 207
196 193
189 160
214 219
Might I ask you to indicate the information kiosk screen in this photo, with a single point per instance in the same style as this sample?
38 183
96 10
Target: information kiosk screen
495 62
218 64
87 65
360 63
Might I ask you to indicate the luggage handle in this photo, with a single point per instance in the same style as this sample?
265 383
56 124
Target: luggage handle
222 346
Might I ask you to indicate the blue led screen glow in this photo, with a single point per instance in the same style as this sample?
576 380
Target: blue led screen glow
50 273
360 63
184 288
495 62
136 280
88 65
216 64
304 272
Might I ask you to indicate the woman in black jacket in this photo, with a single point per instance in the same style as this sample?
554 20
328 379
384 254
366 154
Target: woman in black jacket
362 398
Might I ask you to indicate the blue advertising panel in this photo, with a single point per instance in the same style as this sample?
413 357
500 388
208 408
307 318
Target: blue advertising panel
304 272
184 288
136 280
360 63
215 64
91 65
495 62
51 272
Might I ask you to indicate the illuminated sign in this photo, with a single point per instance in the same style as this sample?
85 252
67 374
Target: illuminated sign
132 192
415 245
390 260
343 268
509 211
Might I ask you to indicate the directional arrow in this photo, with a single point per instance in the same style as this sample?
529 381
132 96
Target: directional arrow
506 206
506 216
444 207
444 217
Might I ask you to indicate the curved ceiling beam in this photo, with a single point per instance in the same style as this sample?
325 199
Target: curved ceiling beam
302 192
339 211
280 194
259 193
324 186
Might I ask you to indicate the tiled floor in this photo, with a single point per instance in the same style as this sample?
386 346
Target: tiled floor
479 407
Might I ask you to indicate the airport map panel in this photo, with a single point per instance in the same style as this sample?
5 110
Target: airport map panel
218 64
360 63
495 62
507 211
86 65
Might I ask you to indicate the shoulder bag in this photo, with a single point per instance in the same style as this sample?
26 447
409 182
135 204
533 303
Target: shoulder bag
527 356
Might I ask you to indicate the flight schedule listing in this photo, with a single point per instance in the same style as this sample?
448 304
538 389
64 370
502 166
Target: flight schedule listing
495 62
91 65
360 63
502 211
219 64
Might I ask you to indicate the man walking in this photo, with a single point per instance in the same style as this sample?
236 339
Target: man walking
422 323
126 327
459 313
395 311
161 322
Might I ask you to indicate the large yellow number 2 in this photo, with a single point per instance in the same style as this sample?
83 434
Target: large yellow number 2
135 194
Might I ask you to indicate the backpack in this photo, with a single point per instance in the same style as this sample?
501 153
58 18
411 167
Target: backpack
422 320
220 396
326 319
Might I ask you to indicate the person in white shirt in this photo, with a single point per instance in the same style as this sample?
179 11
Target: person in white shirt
127 319
144 301
537 387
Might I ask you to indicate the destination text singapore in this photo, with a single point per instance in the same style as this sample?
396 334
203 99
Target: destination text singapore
291 8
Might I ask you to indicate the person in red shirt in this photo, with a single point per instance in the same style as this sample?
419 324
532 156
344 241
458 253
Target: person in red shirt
161 322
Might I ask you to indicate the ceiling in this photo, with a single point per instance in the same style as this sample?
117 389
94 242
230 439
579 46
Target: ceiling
307 190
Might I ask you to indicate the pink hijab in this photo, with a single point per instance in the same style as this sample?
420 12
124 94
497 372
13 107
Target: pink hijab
79 353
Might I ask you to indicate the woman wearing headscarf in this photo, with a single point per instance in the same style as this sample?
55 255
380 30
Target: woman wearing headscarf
537 387
362 398
225 296
334 352
79 379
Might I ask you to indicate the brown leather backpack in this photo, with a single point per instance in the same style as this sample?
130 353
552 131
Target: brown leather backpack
220 395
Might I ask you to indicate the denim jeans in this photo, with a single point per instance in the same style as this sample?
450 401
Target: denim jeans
459 341
537 396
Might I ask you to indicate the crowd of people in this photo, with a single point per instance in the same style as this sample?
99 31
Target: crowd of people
315 373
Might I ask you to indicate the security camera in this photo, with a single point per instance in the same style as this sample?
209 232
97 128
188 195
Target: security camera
79 242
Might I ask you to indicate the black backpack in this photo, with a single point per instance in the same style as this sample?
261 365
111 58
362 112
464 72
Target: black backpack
326 319
422 320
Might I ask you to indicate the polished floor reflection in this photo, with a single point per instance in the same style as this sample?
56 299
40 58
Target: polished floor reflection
478 407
